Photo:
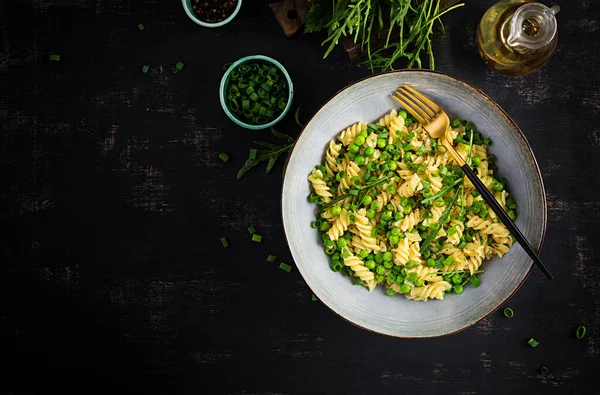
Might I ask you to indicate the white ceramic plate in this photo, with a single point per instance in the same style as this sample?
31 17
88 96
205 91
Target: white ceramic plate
368 100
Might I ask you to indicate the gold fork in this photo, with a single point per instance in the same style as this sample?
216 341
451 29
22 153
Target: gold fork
436 123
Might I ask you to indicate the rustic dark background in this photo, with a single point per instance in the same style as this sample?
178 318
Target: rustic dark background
113 200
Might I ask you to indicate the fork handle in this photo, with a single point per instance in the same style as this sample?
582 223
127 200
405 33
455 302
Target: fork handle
493 203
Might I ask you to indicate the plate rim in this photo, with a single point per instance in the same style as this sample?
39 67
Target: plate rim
502 112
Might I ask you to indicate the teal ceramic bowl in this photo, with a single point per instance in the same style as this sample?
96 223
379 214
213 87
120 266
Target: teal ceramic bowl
225 82
187 6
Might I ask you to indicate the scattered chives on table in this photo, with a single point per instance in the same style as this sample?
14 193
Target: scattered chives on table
532 342
285 267
253 153
223 156
224 242
256 238
252 230
145 68
544 370
508 312
271 258
140 26
581 331
314 298
256 92
179 66
55 58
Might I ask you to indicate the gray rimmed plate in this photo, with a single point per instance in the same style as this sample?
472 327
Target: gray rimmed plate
367 100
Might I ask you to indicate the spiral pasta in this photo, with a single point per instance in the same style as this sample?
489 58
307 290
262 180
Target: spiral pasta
396 209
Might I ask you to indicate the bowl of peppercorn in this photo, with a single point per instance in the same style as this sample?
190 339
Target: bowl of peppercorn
211 13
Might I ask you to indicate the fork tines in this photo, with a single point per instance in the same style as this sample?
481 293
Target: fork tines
418 105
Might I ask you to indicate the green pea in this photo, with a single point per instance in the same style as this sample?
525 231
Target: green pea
336 210
381 143
371 213
380 269
388 264
379 278
405 288
387 256
360 140
458 288
390 292
341 243
369 151
370 264
367 200
456 279
394 239
393 165
360 160
403 114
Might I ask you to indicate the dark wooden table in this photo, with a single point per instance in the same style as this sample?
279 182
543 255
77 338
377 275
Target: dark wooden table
113 200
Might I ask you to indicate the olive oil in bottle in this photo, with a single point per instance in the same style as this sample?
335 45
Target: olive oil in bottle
517 37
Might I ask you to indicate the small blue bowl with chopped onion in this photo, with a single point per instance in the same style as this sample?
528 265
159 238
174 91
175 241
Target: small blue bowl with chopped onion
256 92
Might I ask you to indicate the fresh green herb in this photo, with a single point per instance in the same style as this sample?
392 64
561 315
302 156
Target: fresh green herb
224 157
224 242
253 153
285 267
56 58
145 68
251 230
508 312
271 258
179 66
256 238
270 153
442 192
532 342
402 27
581 331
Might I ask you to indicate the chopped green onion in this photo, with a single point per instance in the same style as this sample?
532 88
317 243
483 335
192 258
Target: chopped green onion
179 66
475 281
224 242
313 298
271 258
251 230
532 342
256 238
544 370
285 267
145 68
223 156
581 331
508 312
140 26
56 58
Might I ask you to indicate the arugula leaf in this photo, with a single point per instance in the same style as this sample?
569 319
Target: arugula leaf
270 155
319 13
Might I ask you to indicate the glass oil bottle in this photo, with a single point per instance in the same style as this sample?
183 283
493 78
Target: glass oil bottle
517 37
